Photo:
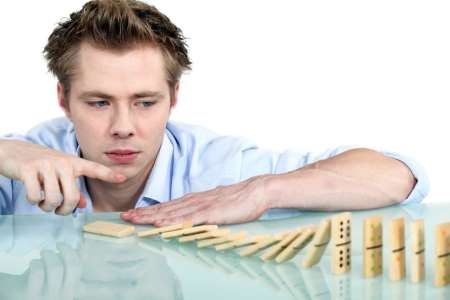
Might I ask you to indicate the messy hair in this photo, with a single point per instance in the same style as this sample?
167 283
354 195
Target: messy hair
116 25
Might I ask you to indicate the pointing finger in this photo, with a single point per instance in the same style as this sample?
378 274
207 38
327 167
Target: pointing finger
99 171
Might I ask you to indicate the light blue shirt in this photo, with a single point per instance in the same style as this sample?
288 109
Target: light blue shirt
191 159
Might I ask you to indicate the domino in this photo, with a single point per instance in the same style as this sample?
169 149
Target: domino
221 240
297 245
187 231
241 242
373 247
273 251
341 243
418 251
319 244
442 271
109 229
260 245
159 230
397 243
204 235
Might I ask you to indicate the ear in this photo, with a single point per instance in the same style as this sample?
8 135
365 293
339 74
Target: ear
174 99
62 101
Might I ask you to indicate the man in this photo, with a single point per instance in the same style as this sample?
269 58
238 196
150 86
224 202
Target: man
118 65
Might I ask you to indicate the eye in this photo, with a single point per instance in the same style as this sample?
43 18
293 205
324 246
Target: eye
145 103
98 104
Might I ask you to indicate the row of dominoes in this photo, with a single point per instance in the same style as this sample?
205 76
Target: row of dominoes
337 229
373 247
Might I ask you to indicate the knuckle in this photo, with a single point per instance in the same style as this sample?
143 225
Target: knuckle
33 197
25 170
45 207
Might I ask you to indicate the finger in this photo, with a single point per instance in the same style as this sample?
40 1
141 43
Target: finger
99 171
174 214
72 270
36 279
54 273
33 188
70 192
167 206
197 218
53 195
153 219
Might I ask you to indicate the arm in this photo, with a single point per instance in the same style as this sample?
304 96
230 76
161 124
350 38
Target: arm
355 179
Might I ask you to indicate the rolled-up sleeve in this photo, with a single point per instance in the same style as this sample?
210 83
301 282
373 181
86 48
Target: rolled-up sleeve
422 187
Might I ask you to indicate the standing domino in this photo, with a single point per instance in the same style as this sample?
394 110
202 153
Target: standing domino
442 277
373 247
418 251
319 244
397 236
341 243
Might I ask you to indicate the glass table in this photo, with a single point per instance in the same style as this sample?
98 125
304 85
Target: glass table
49 257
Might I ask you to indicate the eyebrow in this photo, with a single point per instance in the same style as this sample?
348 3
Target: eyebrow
99 94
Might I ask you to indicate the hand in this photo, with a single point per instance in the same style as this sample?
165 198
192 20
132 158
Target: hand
55 276
50 176
237 203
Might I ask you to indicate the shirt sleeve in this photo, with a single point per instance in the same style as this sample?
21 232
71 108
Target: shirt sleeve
6 199
422 187
6 184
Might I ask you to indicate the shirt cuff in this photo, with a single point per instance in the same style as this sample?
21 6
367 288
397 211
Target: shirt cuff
422 187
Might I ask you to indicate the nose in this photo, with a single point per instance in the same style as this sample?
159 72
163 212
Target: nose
122 124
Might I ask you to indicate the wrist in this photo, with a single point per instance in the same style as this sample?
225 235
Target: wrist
270 190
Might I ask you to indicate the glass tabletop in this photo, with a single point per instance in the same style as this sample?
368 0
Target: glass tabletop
49 257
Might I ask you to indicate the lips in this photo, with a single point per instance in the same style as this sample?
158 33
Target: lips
122 156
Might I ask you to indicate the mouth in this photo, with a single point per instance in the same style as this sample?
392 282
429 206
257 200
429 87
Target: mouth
122 156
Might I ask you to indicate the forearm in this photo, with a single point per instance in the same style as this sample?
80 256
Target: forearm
356 179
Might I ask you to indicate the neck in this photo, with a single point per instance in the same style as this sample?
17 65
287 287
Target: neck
107 197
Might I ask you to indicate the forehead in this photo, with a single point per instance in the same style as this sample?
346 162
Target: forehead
136 68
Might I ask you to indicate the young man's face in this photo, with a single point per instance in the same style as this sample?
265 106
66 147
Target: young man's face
119 104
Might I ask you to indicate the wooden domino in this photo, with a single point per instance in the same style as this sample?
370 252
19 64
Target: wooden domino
297 245
159 230
397 247
241 242
341 243
442 271
204 235
222 240
373 247
318 244
108 228
273 251
260 245
187 231
418 251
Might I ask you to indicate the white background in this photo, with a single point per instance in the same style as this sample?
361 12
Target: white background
288 74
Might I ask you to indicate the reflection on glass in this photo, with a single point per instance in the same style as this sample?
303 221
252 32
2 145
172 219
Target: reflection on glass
342 286
101 268
373 288
315 283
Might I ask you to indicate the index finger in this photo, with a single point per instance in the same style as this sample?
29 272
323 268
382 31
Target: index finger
99 171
